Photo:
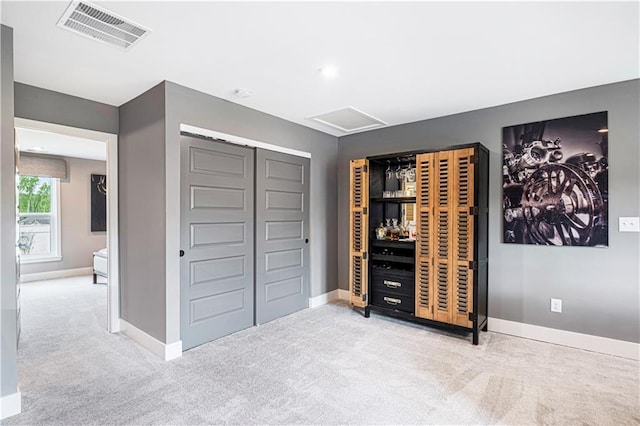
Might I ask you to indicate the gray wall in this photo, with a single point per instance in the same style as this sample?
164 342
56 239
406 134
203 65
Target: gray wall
141 164
598 286
44 105
77 241
8 375
150 194
198 109
36 104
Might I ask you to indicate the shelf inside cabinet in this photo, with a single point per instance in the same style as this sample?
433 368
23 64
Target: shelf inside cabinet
392 258
400 200
401 244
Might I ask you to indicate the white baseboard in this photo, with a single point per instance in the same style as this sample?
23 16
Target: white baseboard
166 351
343 294
10 405
323 299
588 342
52 275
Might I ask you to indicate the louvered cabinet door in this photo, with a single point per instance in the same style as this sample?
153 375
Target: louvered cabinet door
358 233
442 221
463 231
424 241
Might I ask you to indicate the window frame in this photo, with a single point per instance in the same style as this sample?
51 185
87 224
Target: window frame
55 229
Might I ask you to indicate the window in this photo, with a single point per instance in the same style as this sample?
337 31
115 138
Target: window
38 221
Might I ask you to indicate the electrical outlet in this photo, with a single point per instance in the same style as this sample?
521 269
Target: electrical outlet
629 224
556 305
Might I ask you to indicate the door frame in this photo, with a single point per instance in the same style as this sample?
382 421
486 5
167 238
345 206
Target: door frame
113 282
239 140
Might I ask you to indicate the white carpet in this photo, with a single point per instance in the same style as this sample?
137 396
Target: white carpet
327 365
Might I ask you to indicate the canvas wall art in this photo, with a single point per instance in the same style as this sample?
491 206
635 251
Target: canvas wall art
555 182
98 203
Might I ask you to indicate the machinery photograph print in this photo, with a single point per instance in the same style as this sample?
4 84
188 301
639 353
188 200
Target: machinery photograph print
555 182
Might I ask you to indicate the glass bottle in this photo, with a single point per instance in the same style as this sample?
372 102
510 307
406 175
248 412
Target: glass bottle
381 232
404 231
388 230
395 230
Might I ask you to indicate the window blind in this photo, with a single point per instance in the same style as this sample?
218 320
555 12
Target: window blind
42 166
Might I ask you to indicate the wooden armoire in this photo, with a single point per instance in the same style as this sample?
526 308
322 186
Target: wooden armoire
432 267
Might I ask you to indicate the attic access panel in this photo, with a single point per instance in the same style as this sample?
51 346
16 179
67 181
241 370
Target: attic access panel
348 119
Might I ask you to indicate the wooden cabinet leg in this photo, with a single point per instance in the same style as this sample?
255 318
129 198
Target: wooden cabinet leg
475 336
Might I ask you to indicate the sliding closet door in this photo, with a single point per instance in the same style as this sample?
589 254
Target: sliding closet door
217 226
282 232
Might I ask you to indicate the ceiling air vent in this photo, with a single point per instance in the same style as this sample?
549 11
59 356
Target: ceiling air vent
99 24
348 119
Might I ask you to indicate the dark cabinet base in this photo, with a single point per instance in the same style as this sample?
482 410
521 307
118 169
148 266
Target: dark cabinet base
474 330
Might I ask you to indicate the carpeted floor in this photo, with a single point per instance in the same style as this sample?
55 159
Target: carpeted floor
327 365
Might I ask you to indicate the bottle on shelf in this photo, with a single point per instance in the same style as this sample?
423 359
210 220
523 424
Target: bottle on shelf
395 230
381 232
388 230
404 231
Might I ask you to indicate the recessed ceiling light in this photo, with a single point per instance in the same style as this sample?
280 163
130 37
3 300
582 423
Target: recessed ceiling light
329 71
36 149
242 93
603 130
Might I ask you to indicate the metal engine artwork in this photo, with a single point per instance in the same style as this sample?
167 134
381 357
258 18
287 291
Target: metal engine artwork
555 182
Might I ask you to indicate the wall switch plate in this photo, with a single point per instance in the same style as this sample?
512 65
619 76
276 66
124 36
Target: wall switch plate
556 305
629 224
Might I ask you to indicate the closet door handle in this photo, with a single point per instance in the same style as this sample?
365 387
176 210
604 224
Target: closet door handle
181 253
306 241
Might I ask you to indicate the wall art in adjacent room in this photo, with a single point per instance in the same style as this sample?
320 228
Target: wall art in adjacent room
555 182
98 203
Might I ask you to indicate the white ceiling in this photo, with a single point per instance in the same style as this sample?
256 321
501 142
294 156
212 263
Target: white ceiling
58 144
399 62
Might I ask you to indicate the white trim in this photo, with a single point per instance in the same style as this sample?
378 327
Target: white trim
238 140
10 405
63 130
113 284
166 351
36 259
56 244
52 275
343 294
173 350
113 244
323 299
588 342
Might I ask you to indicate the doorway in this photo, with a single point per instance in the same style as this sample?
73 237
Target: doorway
110 140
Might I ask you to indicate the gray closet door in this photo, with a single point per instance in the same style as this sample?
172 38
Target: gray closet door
217 226
282 232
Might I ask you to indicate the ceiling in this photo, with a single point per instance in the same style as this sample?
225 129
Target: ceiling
399 62
40 142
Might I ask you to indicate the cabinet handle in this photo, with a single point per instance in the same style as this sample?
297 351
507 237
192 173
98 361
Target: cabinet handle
392 284
392 301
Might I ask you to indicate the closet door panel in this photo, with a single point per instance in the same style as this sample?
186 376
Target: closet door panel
217 219
282 232
358 233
